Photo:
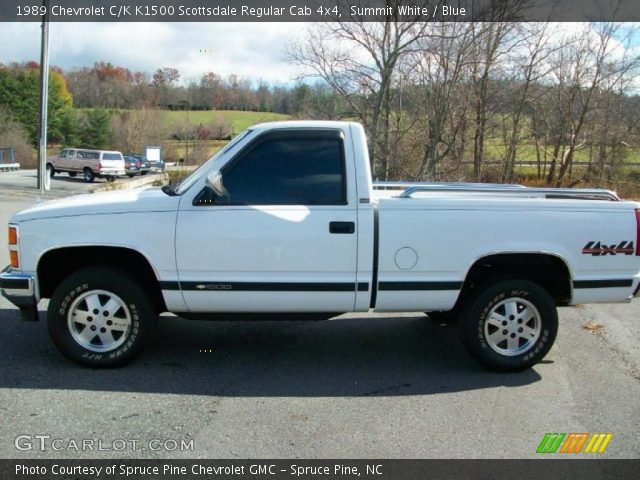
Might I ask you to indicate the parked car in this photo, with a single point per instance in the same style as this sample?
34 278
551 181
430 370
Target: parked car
135 165
90 163
284 223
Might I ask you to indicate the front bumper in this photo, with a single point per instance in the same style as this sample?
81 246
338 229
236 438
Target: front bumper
20 290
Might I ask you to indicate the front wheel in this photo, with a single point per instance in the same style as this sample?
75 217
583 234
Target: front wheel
50 170
509 325
100 317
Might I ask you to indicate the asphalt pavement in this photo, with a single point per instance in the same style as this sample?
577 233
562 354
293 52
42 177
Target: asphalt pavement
360 386
24 183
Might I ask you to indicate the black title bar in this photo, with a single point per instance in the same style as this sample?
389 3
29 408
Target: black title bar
343 469
317 10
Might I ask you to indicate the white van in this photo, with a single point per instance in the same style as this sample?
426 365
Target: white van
90 163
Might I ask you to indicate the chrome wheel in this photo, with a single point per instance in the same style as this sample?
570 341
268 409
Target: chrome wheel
99 321
513 326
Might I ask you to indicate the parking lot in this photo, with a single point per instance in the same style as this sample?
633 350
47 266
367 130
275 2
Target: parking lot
362 386
23 183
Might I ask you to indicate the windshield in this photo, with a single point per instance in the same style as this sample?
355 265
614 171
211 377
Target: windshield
186 182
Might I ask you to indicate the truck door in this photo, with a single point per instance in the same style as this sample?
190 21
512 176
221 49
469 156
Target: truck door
283 236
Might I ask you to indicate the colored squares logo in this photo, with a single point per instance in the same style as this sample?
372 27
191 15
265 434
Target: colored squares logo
574 443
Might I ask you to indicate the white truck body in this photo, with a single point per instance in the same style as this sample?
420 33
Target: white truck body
388 253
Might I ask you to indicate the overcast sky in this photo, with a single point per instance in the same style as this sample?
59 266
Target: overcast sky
254 50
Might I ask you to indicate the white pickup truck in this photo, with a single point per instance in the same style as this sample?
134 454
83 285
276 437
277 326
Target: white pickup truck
284 223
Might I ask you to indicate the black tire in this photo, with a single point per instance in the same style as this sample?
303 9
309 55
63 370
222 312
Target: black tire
519 346
88 175
50 170
72 174
130 175
144 173
131 322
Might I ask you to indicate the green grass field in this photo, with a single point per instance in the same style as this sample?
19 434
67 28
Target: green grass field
241 120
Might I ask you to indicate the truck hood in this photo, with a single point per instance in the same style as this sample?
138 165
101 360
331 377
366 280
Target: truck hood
123 201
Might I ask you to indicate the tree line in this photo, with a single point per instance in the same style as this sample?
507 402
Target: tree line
109 106
108 86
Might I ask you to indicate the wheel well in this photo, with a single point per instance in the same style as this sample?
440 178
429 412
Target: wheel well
548 271
56 265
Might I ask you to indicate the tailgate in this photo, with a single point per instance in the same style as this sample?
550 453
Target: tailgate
112 161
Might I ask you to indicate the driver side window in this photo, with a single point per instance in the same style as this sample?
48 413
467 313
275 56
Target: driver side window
303 167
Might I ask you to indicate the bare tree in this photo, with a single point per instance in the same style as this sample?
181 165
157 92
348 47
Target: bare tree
359 60
580 68
134 130
490 47
442 61
531 66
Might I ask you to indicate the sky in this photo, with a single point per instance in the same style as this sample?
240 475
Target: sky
252 50
255 50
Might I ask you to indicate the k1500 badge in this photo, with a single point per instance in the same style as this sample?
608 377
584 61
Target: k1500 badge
598 249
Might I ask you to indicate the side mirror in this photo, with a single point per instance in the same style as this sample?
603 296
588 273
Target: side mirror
214 182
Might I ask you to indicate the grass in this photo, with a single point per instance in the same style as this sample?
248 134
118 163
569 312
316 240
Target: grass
495 150
240 120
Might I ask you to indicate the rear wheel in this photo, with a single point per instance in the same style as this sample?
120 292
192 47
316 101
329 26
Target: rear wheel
88 175
100 317
509 325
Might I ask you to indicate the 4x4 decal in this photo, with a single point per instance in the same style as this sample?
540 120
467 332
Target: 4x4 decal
598 249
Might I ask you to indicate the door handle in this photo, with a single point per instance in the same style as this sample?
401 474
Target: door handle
342 227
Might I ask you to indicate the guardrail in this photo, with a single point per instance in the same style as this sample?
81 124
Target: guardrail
7 160
9 167
138 182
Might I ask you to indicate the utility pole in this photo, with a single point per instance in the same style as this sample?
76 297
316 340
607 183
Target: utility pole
44 179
